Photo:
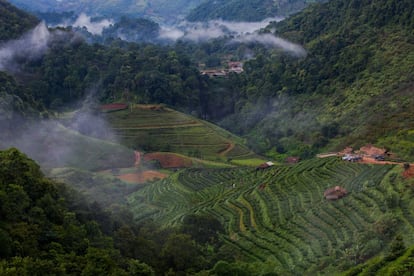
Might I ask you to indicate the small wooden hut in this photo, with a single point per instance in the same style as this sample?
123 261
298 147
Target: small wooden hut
335 193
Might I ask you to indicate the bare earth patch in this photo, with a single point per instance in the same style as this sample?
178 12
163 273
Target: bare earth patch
367 152
141 177
169 160
410 172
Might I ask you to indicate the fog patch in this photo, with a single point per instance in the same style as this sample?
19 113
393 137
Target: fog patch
94 27
81 139
30 46
238 32
88 120
273 41
202 31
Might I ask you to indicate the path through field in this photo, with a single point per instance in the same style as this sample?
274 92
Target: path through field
228 149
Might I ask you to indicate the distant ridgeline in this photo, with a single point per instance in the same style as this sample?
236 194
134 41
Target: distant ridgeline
246 10
14 22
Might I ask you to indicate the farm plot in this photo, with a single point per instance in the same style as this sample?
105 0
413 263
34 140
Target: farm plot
280 212
168 130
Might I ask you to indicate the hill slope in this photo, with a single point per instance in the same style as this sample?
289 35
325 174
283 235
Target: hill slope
157 128
279 216
353 87
157 9
245 10
14 22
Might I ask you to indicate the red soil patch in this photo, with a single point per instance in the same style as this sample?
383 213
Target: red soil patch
141 177
371 160
410 172
113 107
367 152
154 107
371 150
169 160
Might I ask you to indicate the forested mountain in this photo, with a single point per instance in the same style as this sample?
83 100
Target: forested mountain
160 10
353 86
245 10
13 22
127 29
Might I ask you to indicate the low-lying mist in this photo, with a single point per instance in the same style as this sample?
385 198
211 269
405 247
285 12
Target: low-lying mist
237 32
81 139
30 46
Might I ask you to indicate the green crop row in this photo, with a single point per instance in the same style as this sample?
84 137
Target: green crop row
281 211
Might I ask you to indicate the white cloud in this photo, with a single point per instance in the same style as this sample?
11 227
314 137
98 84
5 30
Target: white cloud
95 28
202 31
243 32
273 41
30 45
171 33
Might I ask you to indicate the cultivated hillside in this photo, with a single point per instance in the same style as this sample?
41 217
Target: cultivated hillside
280 218
158 128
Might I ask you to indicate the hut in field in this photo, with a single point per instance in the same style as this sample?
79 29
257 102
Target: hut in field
335 193
292 159
265 165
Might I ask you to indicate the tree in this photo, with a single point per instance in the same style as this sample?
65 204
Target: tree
180 253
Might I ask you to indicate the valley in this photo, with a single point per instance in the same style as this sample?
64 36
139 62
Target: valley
132 157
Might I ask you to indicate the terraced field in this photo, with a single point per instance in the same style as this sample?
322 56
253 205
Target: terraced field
163 129
280 213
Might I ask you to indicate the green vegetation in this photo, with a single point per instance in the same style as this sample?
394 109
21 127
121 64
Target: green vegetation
279 215
157 128
48 229
352 87
14 22
129 29
253 10
156 9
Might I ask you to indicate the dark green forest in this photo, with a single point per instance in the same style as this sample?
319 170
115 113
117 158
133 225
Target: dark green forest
254 10
13 22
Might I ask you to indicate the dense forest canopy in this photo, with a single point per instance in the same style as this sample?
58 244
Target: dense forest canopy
357 56
13 22
253 10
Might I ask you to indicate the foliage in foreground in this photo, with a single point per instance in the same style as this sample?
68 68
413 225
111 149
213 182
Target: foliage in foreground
47 228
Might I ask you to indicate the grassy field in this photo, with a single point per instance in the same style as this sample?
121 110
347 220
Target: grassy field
163 129
280 213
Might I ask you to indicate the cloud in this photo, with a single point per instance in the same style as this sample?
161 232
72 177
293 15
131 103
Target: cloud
273 41
95 28
30 46
202 31
242 32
